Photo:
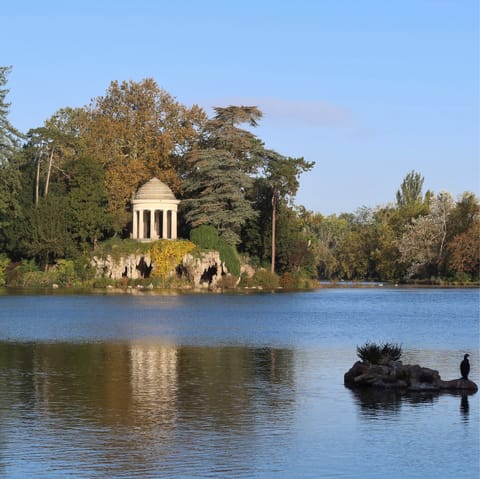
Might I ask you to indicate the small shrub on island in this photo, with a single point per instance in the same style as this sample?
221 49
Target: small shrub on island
379 353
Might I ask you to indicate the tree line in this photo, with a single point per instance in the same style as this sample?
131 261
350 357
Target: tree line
66 186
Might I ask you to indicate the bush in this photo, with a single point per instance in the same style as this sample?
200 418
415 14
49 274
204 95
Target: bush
296 281
167 254
229 255
227 281
206 237
65 272
379 353
4 262
262 279
117 248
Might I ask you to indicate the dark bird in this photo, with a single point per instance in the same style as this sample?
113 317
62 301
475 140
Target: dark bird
465 367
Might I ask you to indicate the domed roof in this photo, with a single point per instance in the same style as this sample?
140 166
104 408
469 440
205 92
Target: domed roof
154 190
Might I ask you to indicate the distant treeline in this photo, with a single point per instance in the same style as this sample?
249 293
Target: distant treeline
66 186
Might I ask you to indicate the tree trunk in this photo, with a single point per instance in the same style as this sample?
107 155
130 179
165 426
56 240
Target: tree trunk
37 180
274 219
50 161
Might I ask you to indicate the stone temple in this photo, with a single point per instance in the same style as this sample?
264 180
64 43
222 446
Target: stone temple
154 212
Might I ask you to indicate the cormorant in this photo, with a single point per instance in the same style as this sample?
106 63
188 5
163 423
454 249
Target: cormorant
465 367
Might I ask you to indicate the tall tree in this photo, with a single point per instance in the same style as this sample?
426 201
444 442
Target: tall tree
10 177
223 132
87 202
282 175
464 214
220 167
422 245
465 251
9 136
51 147
294 251
46 234
138 131
410 192
216 194
329 232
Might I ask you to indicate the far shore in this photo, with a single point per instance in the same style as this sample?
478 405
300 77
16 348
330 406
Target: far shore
146 290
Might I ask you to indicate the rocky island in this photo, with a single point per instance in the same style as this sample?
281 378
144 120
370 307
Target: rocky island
381 368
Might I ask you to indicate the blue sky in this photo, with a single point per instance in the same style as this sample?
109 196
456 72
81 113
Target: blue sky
368 89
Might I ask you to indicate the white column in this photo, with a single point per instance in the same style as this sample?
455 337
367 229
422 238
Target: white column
164 225
135 224
163 233
174 224
140 223
153 233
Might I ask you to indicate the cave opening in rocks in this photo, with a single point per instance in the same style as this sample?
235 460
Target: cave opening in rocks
208 274
144 269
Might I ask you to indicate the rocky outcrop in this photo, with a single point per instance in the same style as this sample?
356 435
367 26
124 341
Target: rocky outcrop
204 270
396 375
133 266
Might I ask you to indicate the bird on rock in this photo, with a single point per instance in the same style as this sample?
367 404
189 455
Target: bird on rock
465 367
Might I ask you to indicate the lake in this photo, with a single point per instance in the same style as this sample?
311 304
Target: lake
232 385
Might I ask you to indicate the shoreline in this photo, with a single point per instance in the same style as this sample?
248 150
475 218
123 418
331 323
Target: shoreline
150 290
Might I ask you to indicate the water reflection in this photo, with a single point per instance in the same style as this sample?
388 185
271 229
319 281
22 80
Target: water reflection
140 406
464 407
378 403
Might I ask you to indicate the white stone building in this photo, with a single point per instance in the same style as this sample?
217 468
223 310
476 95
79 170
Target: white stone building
154 212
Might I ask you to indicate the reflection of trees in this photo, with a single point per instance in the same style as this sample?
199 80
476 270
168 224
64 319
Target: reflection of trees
148 400
228 385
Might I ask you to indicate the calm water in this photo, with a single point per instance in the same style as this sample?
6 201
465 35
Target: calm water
232 386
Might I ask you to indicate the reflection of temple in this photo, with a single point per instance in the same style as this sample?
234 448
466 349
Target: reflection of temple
153 370
154 212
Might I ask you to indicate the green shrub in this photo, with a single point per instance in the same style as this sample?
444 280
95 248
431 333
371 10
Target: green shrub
229 255
65 272
38 279
263 279
103 282
379 353
297 281
4 262
206 237
118 248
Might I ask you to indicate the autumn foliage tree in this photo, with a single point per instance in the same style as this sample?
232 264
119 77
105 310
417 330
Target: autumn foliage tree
465 251
139 131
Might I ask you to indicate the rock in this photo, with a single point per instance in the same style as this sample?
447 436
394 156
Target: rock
204 269
355 371
396 375
133 266
459 385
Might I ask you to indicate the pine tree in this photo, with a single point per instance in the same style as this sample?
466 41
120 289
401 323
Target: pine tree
9 136
216 190
9 169
219 177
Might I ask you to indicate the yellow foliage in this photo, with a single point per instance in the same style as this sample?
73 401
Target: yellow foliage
167 254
